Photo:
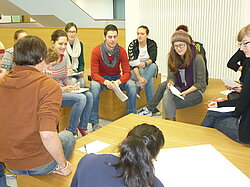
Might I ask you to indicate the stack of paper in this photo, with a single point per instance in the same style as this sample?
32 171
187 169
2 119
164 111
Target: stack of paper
176 92
231 82
123 97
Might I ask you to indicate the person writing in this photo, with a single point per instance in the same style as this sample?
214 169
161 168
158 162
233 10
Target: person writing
132 168
29 142
82 103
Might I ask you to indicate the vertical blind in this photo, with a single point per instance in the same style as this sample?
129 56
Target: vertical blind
215 23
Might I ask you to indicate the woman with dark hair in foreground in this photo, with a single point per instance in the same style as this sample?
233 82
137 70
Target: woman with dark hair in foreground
134 166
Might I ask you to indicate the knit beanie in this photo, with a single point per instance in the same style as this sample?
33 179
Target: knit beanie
1 48
181 36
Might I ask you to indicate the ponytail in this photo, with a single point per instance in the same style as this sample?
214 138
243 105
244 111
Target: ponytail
136 154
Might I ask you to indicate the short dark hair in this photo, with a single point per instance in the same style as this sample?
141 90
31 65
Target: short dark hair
110 27
69 25
144 27
16 34
29 50
58 33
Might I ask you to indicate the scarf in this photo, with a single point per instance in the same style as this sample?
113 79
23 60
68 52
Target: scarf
185 77
105 52
74 53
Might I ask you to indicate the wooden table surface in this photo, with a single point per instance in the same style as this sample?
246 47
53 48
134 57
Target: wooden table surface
176 135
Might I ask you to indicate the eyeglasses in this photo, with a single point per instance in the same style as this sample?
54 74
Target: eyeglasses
71 32
181 46
244 44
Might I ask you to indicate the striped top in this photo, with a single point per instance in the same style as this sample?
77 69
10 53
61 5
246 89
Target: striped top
59 73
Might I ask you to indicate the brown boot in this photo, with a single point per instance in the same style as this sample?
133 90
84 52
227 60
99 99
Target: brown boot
171 118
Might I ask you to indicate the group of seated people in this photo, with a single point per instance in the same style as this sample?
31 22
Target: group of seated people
29 142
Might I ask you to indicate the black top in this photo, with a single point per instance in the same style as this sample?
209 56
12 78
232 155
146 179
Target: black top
242 109
237 60
133 50
93 171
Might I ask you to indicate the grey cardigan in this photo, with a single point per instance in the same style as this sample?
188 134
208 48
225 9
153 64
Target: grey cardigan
199 74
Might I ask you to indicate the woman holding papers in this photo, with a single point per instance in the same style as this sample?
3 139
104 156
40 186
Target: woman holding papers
186 80
235 124
142 53
186 72
134 166
82 103
75 53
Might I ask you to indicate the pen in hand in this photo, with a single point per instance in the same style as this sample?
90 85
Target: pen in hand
85 147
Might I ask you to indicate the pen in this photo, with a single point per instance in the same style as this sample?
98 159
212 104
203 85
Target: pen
85 147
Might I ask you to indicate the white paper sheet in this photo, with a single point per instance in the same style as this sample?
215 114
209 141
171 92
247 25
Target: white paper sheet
75 73
123 97
134 62
231 82
94 147
80 90
222 109
176 92
197 166
226 92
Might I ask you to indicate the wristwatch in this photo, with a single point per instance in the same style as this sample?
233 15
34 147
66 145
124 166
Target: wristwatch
146 64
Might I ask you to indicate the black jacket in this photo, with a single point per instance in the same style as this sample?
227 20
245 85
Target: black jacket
133 50
242 109
237 60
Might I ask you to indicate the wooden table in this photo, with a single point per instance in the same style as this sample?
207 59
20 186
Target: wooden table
176 134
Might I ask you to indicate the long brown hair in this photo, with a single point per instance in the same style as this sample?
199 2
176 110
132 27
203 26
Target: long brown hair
174 59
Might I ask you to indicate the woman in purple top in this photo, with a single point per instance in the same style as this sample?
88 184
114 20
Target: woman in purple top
133 167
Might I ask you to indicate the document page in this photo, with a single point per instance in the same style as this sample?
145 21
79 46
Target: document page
134 62
94 147
197 166
222 109
75 73
123 97
231 82
81 90
176 92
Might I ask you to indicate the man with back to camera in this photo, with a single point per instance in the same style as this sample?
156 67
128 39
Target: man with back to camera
29 142
107 61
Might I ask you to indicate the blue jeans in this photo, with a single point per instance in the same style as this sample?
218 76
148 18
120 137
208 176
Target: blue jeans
148 73
2 176
96 88
224 122
157 96
80 113
172 102
76 79
68 143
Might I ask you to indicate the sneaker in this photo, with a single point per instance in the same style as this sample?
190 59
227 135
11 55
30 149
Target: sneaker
145 112
156 112
138 90
74 134
82 131
96 126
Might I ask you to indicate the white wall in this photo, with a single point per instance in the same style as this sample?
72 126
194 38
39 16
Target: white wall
97 9
212 22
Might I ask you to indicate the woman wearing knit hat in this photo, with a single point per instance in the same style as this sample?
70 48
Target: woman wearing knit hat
186 72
